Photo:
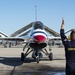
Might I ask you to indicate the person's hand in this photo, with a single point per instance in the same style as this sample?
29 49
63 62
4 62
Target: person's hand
62 25
62 21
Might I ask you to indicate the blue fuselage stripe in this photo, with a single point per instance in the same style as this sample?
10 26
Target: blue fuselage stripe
38 32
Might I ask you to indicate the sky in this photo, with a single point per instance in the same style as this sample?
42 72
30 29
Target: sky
15 14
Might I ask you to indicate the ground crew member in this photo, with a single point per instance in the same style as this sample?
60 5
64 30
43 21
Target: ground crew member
69 50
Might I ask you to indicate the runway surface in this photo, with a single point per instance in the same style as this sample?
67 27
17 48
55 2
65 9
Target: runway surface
10 63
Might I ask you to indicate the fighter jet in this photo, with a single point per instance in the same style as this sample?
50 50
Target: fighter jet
36 44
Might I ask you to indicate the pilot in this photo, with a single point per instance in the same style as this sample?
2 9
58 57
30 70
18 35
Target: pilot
38 25
69 50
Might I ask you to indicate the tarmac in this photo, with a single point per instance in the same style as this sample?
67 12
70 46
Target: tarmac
10 62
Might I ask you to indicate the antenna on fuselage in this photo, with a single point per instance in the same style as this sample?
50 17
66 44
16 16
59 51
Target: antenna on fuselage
35 12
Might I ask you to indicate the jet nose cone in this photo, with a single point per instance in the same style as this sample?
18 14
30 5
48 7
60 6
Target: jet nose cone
39 38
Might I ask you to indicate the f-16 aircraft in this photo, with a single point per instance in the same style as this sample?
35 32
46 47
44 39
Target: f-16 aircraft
37 43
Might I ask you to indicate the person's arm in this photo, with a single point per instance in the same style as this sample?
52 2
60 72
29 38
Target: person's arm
62 34
62 25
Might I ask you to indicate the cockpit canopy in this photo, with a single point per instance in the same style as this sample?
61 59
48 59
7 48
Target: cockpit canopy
38 25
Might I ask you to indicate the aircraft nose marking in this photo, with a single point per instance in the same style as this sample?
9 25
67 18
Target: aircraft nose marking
39 38
38 32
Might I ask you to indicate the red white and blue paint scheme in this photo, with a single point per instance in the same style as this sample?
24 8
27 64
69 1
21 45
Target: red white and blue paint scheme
38 43
38 35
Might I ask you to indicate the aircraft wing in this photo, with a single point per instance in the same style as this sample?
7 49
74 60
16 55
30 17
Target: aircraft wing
55 41
55 38
12 38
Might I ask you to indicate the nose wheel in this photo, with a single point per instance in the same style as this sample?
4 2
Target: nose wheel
37 59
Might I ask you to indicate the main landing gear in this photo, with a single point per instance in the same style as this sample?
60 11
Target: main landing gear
37 54
50 55
23 55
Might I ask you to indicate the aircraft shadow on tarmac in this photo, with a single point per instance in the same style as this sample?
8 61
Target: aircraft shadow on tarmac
16 61
11 61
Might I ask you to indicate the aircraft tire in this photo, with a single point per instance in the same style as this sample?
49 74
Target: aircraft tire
22 56
51 56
